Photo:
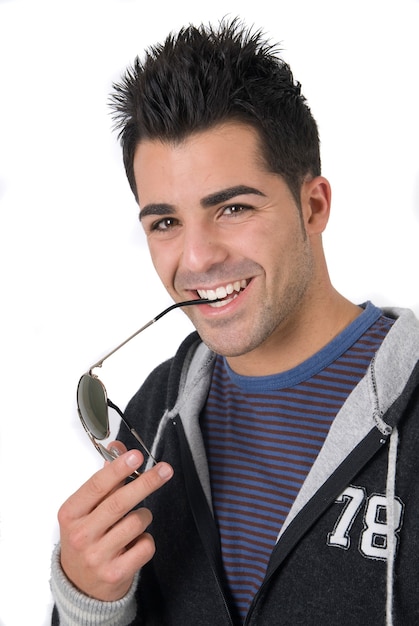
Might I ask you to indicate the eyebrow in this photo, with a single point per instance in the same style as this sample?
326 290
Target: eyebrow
156 209
212 199
227 194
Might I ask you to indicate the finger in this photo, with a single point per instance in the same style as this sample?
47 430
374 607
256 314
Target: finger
110 579
117 448
126 532
123 500
90 529
140 552
103 482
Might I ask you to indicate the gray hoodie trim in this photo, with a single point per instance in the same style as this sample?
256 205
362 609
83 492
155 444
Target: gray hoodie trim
379 388
193 391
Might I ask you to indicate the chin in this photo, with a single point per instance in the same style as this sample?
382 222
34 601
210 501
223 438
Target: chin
229 348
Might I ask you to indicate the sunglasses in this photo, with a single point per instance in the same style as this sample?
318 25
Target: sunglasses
93 402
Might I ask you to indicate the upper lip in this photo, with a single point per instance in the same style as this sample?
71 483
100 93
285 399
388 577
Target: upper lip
222 291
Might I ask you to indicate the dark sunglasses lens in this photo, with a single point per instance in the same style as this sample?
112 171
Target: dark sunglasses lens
93 408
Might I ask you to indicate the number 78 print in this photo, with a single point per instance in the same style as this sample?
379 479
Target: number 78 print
373 542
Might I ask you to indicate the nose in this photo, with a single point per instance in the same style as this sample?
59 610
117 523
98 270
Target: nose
202 247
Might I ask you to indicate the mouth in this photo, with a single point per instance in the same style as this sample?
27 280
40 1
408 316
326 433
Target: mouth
224 294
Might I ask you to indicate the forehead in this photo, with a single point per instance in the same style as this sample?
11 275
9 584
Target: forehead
225 155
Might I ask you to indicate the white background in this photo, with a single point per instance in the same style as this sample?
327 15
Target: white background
75 274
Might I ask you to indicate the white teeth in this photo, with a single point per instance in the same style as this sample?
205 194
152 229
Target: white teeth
222 292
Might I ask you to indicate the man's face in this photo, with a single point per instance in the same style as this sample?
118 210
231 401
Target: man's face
219 224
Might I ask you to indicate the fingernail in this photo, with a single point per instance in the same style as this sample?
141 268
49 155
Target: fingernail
132 460
165 471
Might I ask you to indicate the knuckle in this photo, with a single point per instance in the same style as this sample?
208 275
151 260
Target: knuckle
64 517
137 521
113 575
116 505
77 538
146 516
67 513
146 547
94 563
132 527
95 485
151 480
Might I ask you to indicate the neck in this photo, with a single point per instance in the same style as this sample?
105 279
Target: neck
295 341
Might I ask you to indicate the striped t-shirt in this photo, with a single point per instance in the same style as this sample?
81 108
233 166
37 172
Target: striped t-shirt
262 435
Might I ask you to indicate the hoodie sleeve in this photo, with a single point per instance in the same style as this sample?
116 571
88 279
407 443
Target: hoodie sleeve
76 609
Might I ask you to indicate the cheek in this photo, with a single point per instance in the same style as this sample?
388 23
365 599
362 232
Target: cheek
285 252
164 263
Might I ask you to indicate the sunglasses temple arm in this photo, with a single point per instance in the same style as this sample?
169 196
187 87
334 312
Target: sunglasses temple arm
140 330
100 363
131 429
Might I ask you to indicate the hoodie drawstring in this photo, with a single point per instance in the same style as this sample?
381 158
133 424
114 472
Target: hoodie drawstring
392 524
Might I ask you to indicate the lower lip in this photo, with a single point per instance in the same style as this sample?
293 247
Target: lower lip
219 304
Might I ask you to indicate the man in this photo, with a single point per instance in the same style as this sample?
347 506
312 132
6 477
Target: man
285 428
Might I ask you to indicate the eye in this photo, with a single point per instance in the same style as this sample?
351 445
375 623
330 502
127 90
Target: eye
163 225
236 209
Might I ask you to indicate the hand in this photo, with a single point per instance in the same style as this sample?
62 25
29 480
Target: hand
103 542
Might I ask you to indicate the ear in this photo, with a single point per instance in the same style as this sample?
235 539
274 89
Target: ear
316 195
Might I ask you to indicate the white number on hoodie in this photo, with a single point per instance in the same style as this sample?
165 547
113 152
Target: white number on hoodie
373 542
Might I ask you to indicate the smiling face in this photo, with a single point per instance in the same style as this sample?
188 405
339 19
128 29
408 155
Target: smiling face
219 225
